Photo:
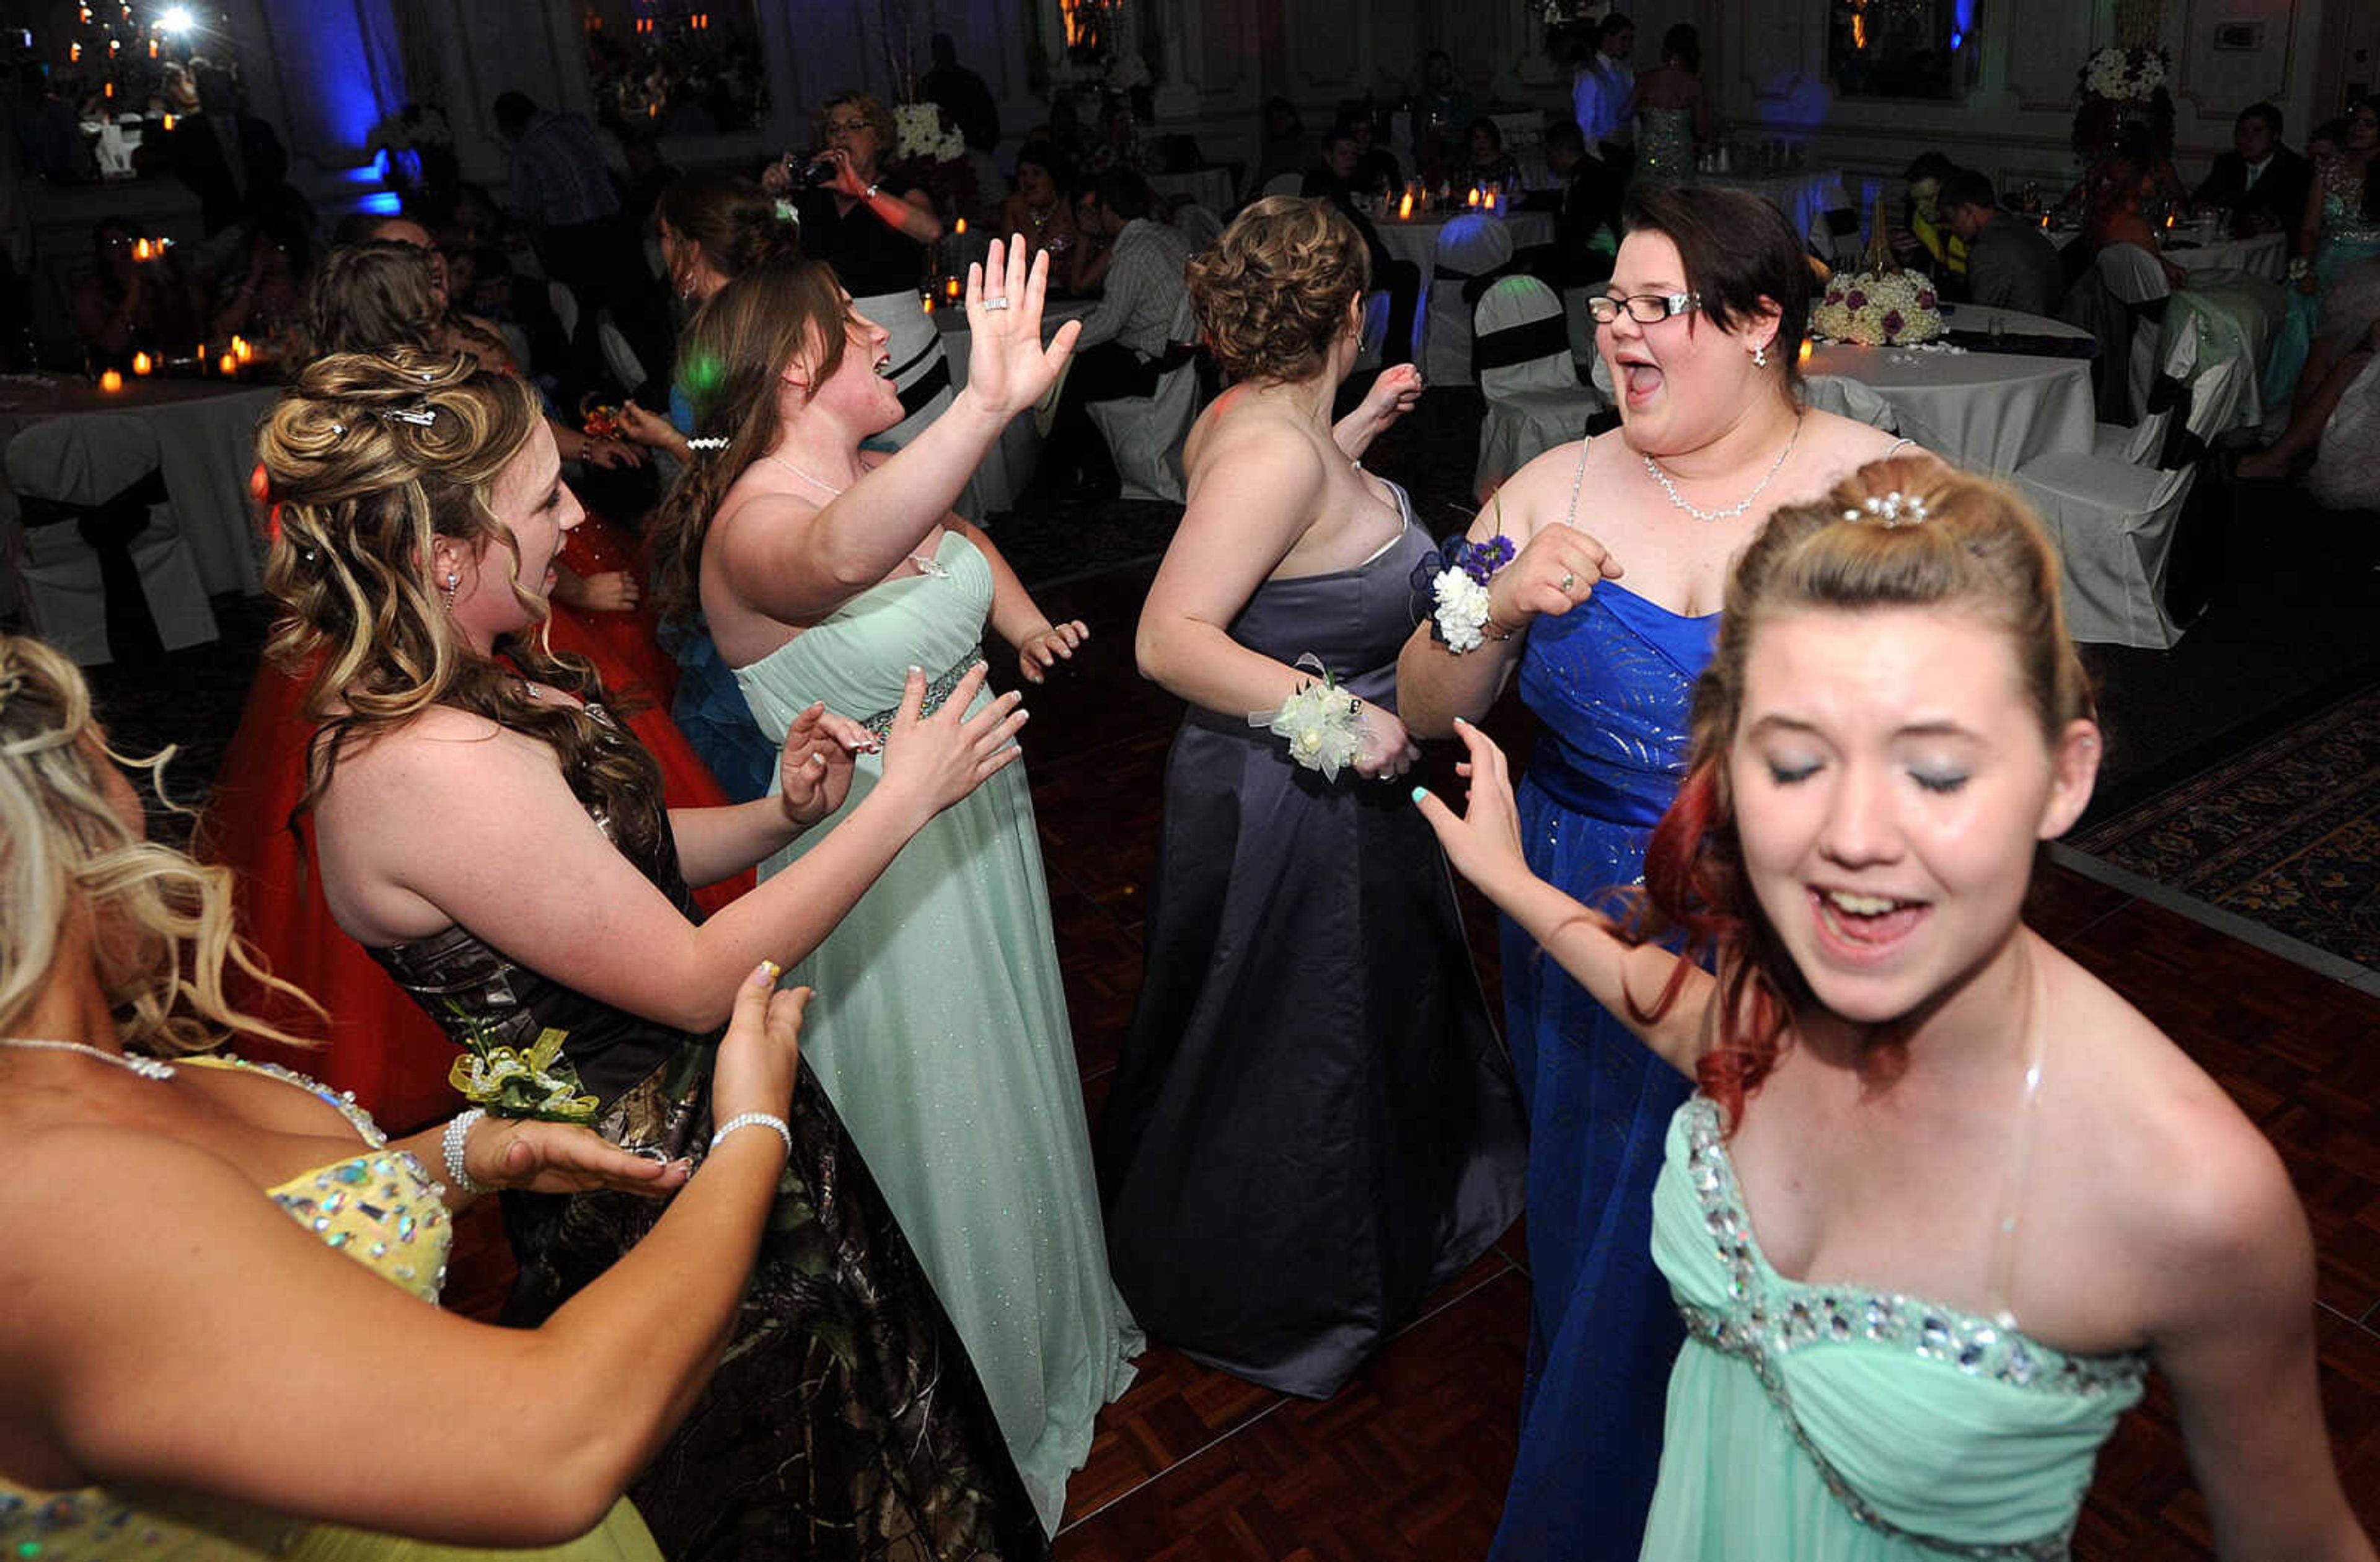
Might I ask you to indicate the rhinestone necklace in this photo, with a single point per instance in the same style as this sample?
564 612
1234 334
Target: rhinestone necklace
925 563
147 1068
1732 510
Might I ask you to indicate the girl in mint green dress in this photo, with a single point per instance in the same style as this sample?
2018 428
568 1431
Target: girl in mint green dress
939 1030
1942 1199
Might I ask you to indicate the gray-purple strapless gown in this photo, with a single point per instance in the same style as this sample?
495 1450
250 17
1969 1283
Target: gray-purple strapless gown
1314 1121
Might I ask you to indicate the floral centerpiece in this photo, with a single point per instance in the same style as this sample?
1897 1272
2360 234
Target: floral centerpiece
2126 76
920 131
1891 308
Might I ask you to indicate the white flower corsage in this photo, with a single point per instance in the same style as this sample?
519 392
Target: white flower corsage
1323 723
1457 577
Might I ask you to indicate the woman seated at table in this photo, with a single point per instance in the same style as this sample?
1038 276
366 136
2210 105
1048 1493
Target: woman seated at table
2118 186
1942 1199
2335 292
225 1347
1487 165
1706 300
1042 209
124 305
2338 423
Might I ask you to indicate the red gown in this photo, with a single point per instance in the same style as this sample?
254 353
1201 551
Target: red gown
382 1045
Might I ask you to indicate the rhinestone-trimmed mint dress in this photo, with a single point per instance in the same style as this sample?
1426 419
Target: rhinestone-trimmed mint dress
1835 1424
939 1032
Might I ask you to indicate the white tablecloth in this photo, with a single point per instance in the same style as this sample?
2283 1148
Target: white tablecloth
206 440
1008 466
2266 255
1986 412
1417 240
1803 197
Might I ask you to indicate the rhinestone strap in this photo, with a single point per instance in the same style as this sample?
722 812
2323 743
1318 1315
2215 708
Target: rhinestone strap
341 1102
937 693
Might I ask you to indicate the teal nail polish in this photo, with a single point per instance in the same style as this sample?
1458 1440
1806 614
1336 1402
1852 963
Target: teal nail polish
1419 793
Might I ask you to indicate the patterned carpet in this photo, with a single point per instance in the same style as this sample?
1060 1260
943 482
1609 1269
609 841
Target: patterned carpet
2285 833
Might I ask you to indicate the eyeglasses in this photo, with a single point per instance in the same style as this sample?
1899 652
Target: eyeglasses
1643 307
847 126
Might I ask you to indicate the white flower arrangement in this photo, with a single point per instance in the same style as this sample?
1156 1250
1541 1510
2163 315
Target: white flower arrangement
1878 309
1323 723
919 133
2126 75
1462 609
1128 72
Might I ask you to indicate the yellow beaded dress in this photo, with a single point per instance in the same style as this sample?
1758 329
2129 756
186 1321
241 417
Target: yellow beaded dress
383 1209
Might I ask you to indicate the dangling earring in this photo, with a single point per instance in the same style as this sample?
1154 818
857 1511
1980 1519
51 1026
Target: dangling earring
452 580
1760 356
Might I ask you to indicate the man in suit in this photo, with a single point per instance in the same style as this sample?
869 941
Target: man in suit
2010 263
2262 182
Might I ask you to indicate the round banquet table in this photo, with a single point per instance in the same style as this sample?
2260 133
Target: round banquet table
2266 255
206 443
1416 238
1988 411
1804 197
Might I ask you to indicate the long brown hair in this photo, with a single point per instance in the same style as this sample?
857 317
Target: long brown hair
735 223
1978 551
369 459
370 297
733 356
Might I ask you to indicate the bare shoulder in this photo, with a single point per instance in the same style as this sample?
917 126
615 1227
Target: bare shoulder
1247 446
2188 1185
1844 445
1539 495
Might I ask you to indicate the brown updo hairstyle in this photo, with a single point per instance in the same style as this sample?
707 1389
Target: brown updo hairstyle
1272 294
70 861
730 360
1739 251
1979 553
731 219
370 297
359 495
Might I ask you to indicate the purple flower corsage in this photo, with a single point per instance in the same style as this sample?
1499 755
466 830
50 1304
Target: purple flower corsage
1456 577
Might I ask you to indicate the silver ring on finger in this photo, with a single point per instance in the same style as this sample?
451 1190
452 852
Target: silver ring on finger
995 303
1570 579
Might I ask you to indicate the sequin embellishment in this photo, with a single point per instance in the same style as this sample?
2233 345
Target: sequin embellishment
937 691
1774 1317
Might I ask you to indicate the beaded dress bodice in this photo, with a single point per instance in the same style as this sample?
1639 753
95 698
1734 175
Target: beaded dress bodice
1937 1431
381 1208
2344 218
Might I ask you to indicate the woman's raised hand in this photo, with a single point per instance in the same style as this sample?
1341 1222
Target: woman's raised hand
814 768
1555 572
1484 841
1008 369
762 1050
1037 653
937 760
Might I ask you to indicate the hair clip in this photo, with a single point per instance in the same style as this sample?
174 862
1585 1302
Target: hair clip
787 212
338 427
419 417
1891 510
707 442
429 378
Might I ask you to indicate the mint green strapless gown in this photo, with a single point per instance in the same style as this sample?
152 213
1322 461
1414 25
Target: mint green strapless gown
940 1033
1826 1423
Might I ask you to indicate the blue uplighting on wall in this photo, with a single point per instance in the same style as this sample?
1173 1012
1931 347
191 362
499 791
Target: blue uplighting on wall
382 203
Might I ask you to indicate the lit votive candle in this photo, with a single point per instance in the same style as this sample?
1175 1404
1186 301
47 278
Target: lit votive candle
953 289
1404 208
1807 348
111 382
1473 197
242 350
227 366
141 249
142 364
962 226
928 303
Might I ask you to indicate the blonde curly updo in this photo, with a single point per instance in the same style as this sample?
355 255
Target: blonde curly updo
1272 294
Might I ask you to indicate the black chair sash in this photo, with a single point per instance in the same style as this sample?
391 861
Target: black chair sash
109 528
1524 343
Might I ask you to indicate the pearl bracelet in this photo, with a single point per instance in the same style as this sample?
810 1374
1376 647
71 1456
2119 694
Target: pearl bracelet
458 1133
756 1120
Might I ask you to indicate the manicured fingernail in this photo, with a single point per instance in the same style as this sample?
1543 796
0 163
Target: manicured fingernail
765 974
1419 793
1460 722
915 669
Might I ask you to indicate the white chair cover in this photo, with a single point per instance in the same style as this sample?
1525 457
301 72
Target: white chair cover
2114 522
1534 403
566 307
1199 226
88 460
1145 434
1471 245
2135 280
1834 237
2139 443
619 356
1282 184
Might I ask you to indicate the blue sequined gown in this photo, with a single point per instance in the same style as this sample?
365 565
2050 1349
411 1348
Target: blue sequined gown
1612 682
